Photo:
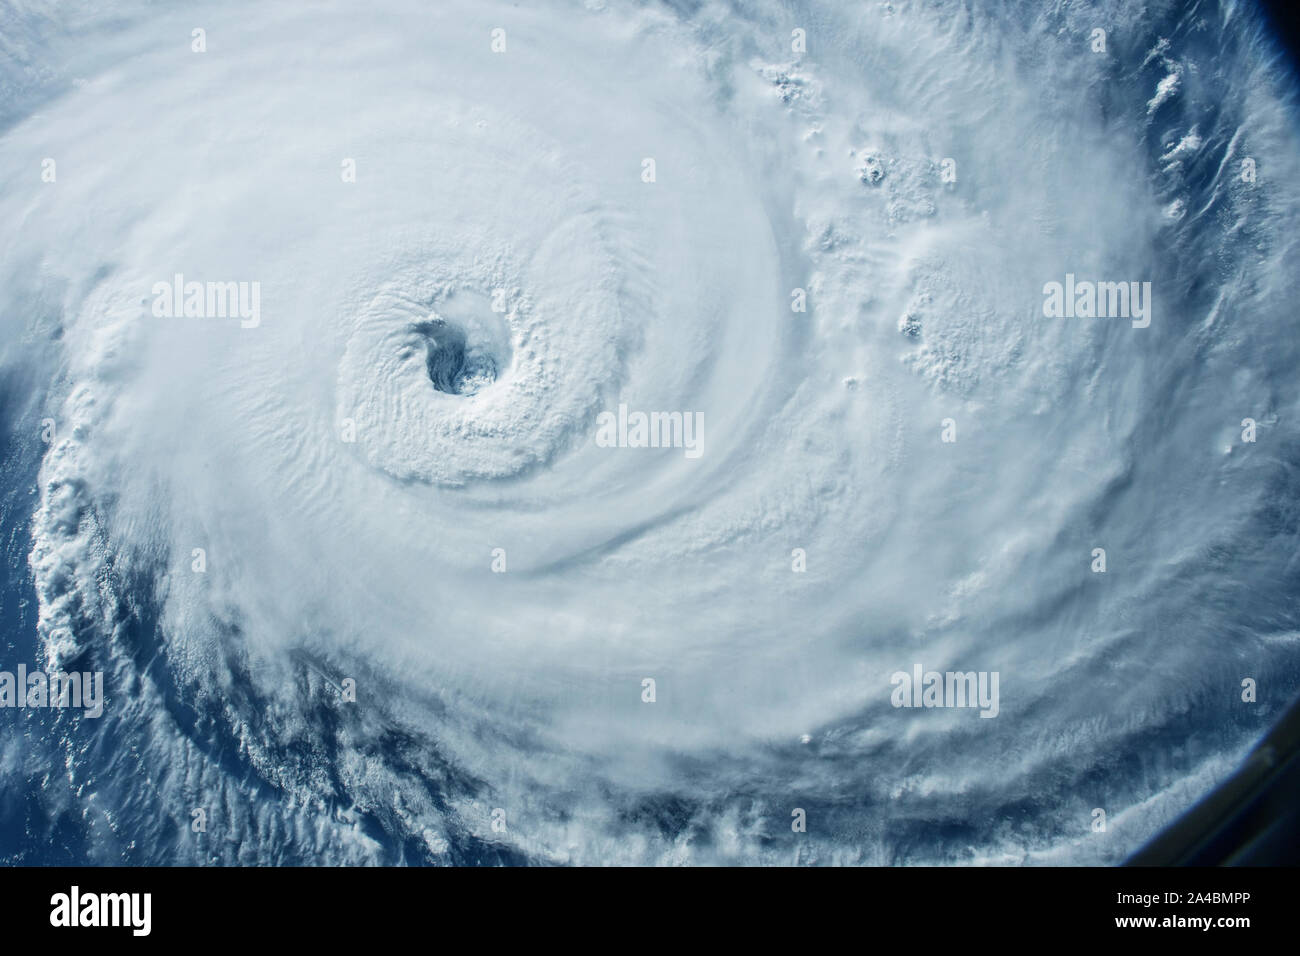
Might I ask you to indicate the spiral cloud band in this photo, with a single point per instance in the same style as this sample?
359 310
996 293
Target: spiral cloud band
575 433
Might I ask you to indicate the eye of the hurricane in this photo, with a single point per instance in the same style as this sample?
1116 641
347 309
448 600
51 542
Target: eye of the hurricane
462 358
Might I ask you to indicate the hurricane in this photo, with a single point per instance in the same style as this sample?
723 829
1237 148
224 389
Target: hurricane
574 433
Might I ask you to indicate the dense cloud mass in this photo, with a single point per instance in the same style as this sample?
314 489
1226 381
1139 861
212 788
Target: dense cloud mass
328 330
